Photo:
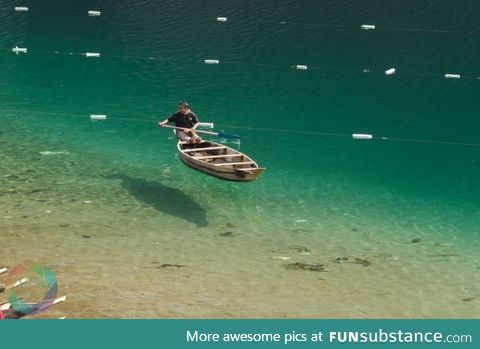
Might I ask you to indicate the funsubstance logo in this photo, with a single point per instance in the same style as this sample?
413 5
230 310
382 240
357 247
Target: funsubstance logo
35 281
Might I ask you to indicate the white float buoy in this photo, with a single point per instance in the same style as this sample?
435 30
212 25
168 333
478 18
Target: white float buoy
367 27
212 61
96 117
301 67
390 71
361 136
17 50
92 54
94 13
21 9
222 19
452 76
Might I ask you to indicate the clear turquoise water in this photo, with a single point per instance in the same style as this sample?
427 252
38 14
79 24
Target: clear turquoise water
395 190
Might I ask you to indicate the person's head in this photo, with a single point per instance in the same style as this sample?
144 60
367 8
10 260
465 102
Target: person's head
183 107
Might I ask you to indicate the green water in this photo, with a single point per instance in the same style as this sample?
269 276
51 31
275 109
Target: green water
324 191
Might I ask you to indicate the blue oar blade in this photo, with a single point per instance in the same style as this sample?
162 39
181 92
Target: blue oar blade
228 135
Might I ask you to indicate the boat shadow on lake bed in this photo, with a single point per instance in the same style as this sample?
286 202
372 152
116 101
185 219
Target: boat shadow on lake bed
171 201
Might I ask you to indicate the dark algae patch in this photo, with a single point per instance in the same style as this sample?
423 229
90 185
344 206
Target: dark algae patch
354 260
305 266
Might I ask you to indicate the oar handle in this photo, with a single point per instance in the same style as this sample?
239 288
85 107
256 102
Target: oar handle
204 124
184 128
218 134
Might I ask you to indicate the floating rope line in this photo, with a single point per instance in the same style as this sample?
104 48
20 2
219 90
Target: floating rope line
23 9
391 71
413 140
426 30
301 132
355 136
85 54
96 13
374 27
368 27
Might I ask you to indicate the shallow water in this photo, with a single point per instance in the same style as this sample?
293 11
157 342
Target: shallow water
132 232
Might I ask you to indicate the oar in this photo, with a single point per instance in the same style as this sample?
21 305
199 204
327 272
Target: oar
16 284
218 134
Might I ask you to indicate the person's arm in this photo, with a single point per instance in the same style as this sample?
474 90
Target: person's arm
196 122
167 120
164 122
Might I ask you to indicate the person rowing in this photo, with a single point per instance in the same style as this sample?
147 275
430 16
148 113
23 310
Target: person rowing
186 119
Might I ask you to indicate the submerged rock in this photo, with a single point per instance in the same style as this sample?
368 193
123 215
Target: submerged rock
299 248
304 266
171 266
444 244
355 260
392 258
300 230
361 261
227 234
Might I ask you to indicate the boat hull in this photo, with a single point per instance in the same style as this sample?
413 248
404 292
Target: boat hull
245 170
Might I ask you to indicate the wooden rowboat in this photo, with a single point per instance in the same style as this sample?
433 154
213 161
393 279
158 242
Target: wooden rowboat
218 160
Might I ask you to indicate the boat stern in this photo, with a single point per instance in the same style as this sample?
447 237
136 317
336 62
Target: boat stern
249 174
